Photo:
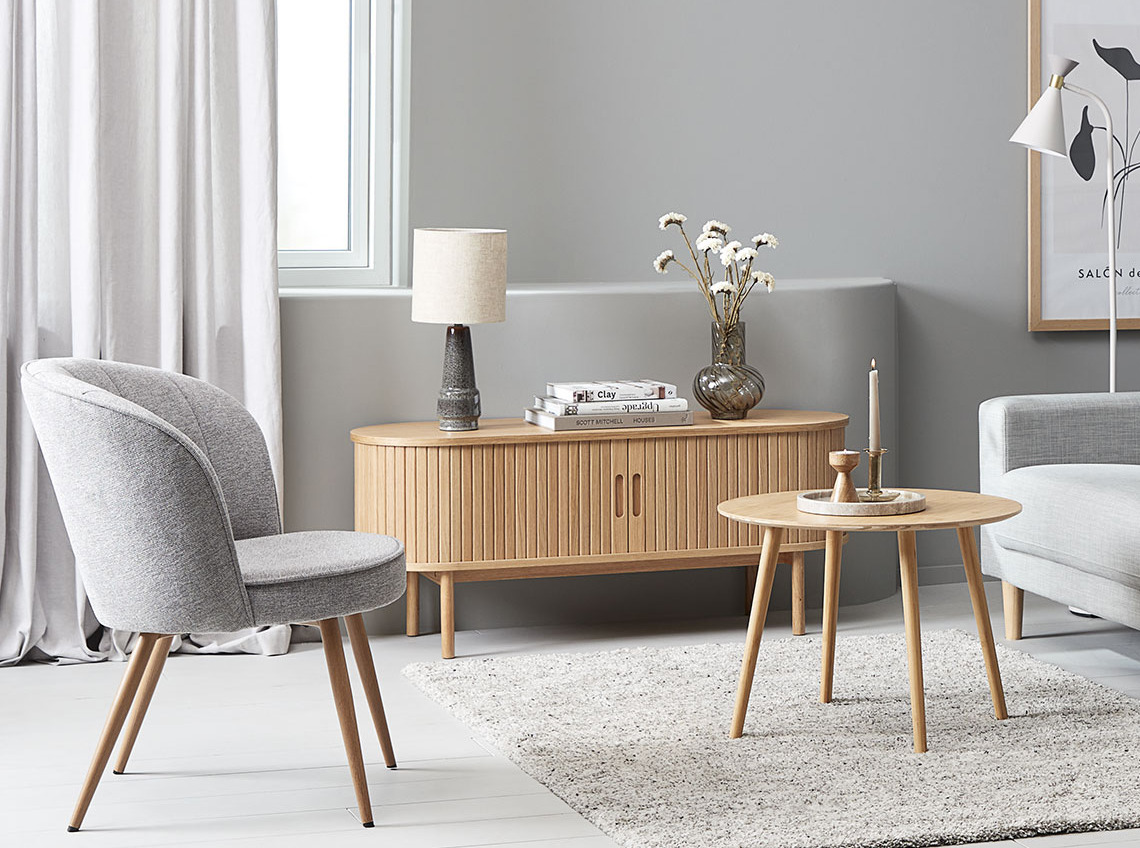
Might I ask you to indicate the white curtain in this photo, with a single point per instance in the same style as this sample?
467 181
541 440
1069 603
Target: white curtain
137 223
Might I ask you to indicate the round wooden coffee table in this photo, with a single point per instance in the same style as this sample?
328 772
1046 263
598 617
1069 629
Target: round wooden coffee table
962 511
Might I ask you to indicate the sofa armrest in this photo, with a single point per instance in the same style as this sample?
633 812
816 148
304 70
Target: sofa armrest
1015 432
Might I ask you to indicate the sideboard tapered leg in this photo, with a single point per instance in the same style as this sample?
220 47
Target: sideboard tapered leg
412 600
447 613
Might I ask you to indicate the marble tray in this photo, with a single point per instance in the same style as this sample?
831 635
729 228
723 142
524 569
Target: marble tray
819 502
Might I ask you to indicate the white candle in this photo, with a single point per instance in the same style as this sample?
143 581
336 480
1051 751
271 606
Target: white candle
876 440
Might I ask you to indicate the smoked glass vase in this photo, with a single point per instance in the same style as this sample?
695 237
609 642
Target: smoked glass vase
729 387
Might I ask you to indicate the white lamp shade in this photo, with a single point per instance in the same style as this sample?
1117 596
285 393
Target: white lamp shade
459 276
1043 129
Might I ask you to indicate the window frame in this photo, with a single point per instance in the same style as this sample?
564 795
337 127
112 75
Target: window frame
376 66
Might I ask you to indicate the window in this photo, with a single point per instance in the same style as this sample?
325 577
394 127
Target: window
334 142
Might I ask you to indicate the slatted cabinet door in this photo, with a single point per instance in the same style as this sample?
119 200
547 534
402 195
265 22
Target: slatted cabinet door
561 500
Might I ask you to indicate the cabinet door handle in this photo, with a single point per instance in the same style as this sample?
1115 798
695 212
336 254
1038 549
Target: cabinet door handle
619 495
636 495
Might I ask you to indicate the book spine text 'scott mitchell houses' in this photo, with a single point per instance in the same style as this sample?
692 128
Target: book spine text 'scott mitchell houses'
607 422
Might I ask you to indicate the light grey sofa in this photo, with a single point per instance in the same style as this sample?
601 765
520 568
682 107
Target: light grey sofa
1073 461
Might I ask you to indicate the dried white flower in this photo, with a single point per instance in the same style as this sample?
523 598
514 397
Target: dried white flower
728 253
745 254
715 226
767 279
663 259
766 238
672 218
723 286
709 241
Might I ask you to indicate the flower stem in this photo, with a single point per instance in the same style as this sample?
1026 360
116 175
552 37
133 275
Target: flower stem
692 253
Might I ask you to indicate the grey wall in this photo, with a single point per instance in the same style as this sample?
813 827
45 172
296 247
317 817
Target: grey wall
870 136
353 361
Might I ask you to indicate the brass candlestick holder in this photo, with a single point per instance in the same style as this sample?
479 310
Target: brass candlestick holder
875 491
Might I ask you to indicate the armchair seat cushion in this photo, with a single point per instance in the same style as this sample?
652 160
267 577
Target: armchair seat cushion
1085 516
298 577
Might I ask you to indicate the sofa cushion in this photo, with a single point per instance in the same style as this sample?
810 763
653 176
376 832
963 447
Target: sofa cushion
1083 516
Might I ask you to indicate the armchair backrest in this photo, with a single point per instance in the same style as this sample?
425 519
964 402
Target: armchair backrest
156 474
1024 430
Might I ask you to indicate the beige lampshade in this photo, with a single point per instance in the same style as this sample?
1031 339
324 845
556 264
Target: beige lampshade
459 276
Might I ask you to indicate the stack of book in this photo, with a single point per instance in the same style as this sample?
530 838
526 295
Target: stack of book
609 404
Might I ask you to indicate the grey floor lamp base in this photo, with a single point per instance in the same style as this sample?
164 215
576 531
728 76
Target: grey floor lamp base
458 406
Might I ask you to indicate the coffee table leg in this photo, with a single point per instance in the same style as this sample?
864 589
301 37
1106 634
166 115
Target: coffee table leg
832 558
908 568
770 553
799 602
982 617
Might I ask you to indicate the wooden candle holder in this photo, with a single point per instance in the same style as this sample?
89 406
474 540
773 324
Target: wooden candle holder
844 462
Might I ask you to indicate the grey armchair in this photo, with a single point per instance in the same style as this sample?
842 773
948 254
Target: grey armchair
167 494
1073 461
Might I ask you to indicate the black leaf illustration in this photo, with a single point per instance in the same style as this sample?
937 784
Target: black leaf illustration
1081 152
1121 59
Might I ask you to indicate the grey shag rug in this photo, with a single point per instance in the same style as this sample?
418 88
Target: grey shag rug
636 741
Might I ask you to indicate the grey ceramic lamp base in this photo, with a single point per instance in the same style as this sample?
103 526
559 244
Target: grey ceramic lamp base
458 405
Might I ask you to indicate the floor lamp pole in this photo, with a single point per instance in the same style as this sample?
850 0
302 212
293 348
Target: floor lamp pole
1111 172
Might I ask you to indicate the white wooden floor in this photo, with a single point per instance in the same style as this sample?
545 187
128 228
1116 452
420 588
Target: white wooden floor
245 751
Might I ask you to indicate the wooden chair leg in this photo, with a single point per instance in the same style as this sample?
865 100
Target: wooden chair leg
769 555
363 653
799 602
831 567
342 697
122 703
908 569
982 618
1013 607
142 701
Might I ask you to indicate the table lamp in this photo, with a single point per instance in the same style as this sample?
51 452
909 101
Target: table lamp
459 277
1043 130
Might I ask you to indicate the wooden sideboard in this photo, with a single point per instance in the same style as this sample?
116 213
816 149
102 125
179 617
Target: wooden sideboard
513 500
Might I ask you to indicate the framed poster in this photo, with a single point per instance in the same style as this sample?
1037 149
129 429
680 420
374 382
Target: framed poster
1068 226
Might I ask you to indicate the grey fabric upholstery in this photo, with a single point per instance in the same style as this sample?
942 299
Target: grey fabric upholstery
1073 461
1085 591
213 420
314 575
142 506
1084 516
1058 430
151 518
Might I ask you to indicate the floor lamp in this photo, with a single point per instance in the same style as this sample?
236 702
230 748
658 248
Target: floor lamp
1043 130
